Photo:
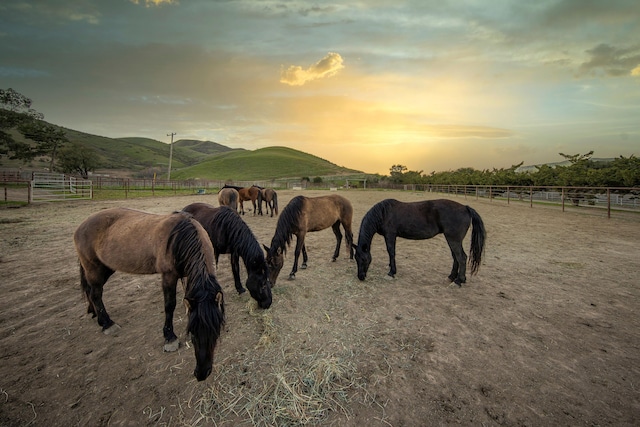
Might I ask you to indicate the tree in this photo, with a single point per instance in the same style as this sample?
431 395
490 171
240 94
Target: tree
77 158
15 110
396 173
48 139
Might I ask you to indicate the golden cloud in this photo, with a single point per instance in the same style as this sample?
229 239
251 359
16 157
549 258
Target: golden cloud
636 71
328 66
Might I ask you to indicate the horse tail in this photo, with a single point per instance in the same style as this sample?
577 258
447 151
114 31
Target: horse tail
478 236
275 202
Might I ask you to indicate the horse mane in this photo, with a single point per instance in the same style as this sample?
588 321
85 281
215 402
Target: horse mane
202 291
372 220
235 187
287 221
238 231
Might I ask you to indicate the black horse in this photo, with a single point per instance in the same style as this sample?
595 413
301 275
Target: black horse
229 234
418 221
176 246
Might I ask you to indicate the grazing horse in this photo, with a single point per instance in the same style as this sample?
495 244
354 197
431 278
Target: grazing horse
305 214
173 245
270 198
246 194
418 221
228 197
229 234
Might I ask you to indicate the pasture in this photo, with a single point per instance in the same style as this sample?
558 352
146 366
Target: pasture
547 332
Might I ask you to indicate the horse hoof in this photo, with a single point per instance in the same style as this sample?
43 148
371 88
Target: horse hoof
303 267
333 259
389 277
241 291
292 277
112 330
171 346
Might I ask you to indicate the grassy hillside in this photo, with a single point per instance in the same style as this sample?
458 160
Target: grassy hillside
264 163
192 159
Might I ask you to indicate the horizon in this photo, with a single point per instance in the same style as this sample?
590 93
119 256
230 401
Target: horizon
433 86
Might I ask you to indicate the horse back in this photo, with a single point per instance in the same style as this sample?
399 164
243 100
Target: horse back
324 211
128 240
426 219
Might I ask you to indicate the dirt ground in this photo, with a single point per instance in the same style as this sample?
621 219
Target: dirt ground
547 333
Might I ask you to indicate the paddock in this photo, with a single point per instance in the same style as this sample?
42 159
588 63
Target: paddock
547 332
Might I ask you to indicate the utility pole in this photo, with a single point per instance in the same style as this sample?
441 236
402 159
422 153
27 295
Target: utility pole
170 155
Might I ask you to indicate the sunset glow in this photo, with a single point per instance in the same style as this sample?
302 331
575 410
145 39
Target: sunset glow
431 85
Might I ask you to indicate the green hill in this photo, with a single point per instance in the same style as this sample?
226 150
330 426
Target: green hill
192 159
265 163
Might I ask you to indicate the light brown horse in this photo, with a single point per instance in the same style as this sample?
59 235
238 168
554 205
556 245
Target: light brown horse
174 245
229 197
270 198
306 214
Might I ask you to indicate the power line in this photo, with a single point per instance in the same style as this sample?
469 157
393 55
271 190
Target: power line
170 155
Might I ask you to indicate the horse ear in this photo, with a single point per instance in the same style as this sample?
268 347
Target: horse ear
266 248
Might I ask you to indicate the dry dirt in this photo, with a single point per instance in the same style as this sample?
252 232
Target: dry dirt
547 333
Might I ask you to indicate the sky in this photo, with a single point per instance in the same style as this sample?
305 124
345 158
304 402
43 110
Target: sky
433 85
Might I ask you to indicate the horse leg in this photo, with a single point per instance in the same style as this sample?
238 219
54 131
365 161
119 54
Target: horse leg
92 285
336 231
235 267
305 258
349 237
241 206
390 241
169 282
459 269
299 247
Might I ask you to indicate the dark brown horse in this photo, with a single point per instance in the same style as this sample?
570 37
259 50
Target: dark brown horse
306 214
270 198
229 234
228 197
418 221
176 246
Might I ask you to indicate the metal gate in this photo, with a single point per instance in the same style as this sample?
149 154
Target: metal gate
48 187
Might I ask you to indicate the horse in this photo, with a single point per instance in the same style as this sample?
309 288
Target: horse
270 198
228 197
174 245
306 214
418 221
229 234
246 194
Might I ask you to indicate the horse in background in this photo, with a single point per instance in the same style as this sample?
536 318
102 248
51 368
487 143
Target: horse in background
418 221
246 194
307 214
174 245
270 198
229 234
228 197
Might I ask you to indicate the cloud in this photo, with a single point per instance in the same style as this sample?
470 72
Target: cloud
326 67
612 61
149 3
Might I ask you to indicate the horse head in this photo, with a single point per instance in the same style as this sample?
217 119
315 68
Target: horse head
275 261
206 317
363 259
258 282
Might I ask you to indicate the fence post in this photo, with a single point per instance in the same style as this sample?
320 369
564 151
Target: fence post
608 203
531 196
